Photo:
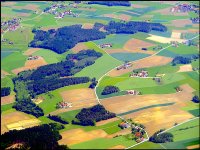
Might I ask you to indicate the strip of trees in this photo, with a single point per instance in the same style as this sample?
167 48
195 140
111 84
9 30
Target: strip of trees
58 119
64 38
111 3
88 116
43 137
109 90
196 99
5 91
132 27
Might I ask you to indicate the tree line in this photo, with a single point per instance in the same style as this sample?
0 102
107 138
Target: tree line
5 91
184 60
58 119
89 116
109 90
161 138
64 38
132 27
111 3
44 137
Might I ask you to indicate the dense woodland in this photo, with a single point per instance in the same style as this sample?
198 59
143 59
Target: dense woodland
184 60
93 84
65 38
161 138
46 78
111 3
88 116
44 137
58 119
109 90
132 27
5 91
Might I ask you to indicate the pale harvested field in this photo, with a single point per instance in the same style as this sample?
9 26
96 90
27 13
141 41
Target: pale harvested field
29 7
121 104
7 99
161 39
118 147
135 45
30 51
4 73
181 23
87 9
76 136
143 63
102 122
79 47
193 146
166 11
176 35
157 118
122 16
12 117
8 3
185 68
88 26
138 6
187 87
31 64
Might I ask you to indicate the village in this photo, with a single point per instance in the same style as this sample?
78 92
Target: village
10 25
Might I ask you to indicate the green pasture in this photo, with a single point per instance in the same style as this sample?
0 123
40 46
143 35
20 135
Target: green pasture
173 54
195 64
101 66
6 107
184 49
92 45
70 115
129 56
50 56
117 40
7 82
13 61
104 143
147 145
53 97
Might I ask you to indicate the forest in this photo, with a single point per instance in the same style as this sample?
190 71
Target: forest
5 91
109 90
132 27
44 137
88 116
69 36
58 119
111 3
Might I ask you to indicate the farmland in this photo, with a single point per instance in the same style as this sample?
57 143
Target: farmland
135 47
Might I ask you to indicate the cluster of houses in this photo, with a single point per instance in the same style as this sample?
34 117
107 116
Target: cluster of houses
133 92
10 25
53 10
124 66
32 57
178 89
105 45
64 105
139 133
174 43
184 8
142 74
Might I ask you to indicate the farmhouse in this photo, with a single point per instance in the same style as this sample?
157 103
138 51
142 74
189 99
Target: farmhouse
124 125
105 45
32 57
141 74
178 89
64 105
133 92
174 43
124 66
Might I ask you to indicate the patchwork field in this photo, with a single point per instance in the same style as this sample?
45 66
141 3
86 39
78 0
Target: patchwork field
185 68
79 47
7 99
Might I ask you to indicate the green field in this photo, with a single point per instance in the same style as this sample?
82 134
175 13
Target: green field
129 56
101 66
147 145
